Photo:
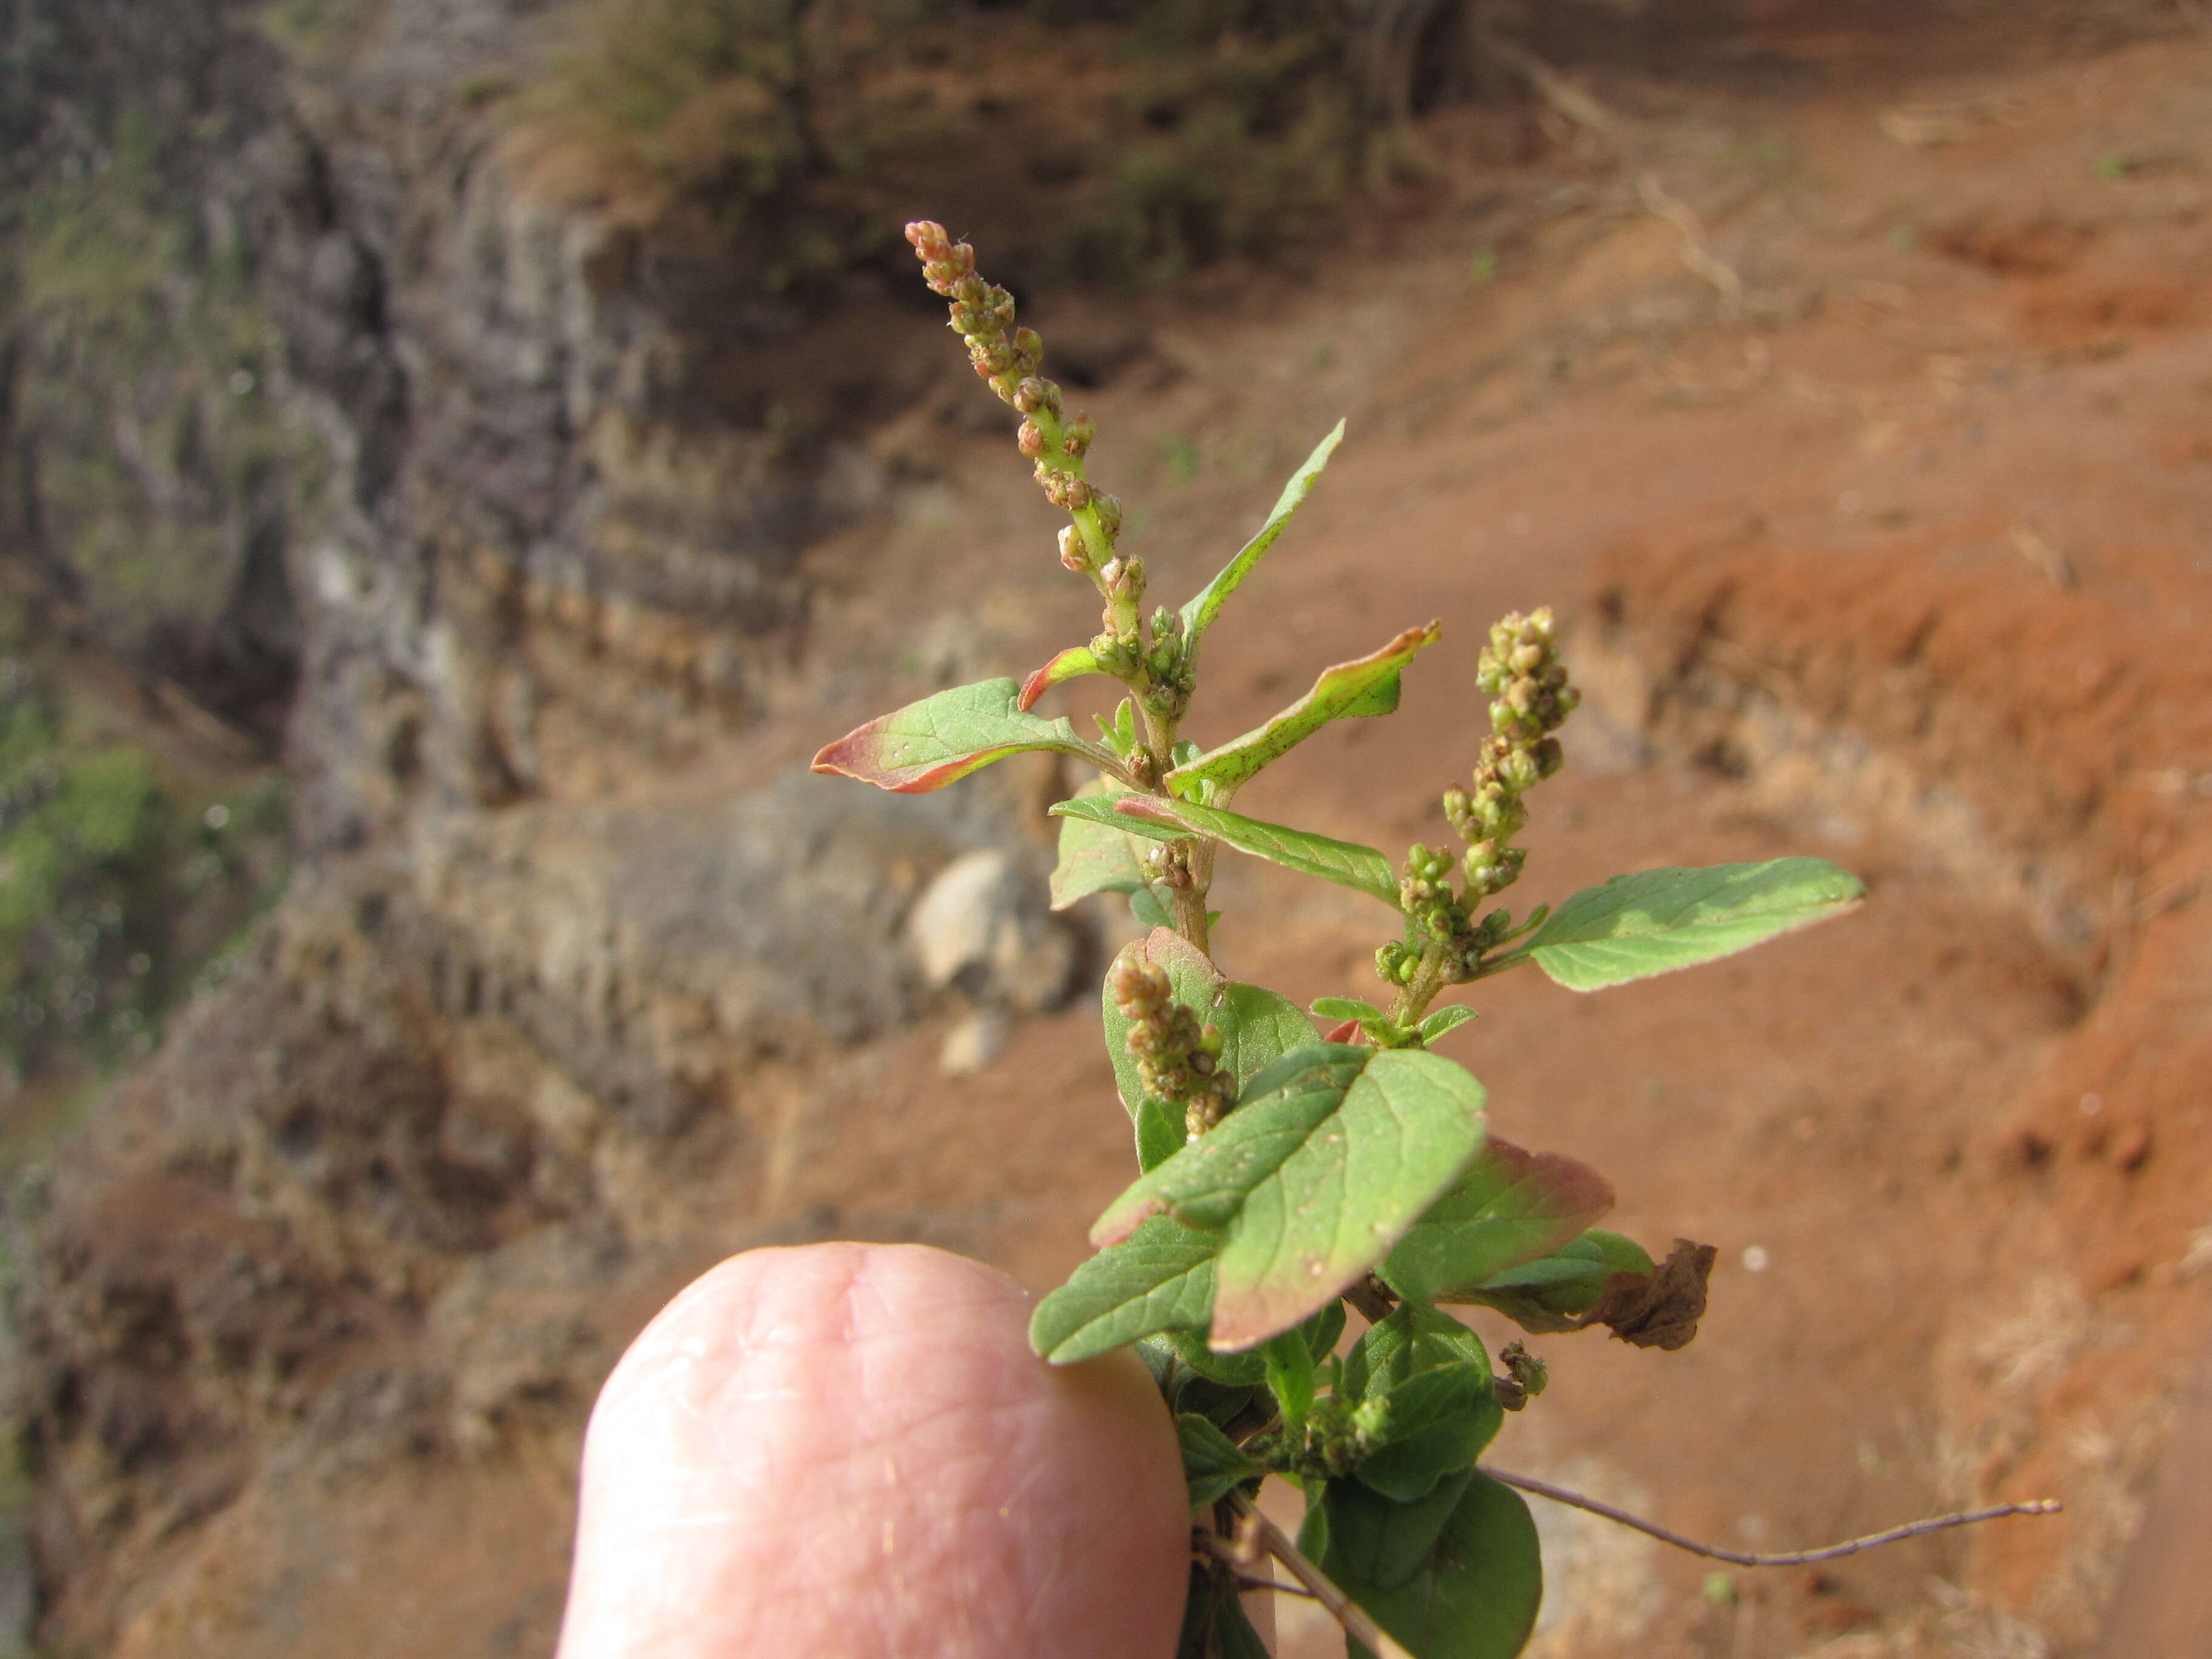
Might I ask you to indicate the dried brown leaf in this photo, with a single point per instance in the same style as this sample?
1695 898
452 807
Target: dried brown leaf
1659 1308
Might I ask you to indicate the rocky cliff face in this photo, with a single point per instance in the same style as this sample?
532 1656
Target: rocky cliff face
507 1061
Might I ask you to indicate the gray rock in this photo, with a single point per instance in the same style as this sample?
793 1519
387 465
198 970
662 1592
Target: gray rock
984 927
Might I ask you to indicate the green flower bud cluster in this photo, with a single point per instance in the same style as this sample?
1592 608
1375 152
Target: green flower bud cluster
1178 1061
1424 893
1327 1444
1010 359
1169 678
1437 916
1530 699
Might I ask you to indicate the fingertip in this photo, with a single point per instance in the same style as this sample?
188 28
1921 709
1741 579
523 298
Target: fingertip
850 1448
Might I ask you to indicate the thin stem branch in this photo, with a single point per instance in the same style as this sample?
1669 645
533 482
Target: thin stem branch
1242 1561
1783 1558
1371 1297
1500 963
1280 1589
1341 1607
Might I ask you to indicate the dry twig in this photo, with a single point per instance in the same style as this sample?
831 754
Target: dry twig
1690 235
1783 1558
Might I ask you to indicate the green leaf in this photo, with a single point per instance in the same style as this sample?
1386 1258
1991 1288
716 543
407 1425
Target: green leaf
1219 1402
1159 1359
1071 664
1409 1339
1258 1028
1332 1152
1213 1463
1475 1595
1549 1294
1617 1254
1376 1539
1161 1133
1245 1370
1207 1182
1368 685
1249 1369
1290 1373
1637 926
1199 614
1443 1022
1510 1206
1158 1279
1322 1331
1547 1272
1119 731
1342 1008
1347 863
1093 858
1438 1423
1145 905
930 743
1100 810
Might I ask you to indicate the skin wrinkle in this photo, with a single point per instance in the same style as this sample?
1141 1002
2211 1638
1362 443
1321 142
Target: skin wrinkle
736 1485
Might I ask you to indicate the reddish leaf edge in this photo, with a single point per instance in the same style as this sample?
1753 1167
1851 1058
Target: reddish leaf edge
1071 664
848 757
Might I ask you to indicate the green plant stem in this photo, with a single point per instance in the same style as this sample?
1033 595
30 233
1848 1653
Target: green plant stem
1160 734
1087 521
1190 898
1190 916
1417 992
1086 517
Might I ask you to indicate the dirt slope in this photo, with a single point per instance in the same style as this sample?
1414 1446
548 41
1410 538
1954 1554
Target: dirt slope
1868 448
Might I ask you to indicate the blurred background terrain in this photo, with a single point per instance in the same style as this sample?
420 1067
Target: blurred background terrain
459 459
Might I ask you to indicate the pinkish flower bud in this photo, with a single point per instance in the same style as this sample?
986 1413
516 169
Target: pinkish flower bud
1030 438
1074 552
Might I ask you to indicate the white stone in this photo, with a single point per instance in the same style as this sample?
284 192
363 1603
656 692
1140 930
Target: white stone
967 918
974 1043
